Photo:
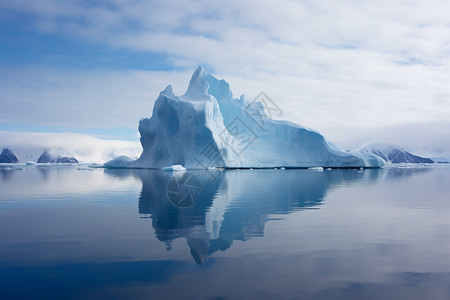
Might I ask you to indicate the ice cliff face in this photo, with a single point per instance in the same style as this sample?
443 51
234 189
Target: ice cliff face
207 127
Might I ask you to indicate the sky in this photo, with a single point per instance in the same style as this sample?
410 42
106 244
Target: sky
356 71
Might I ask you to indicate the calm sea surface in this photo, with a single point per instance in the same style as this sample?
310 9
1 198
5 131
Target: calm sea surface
74 232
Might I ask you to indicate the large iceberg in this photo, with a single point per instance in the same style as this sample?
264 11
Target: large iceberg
207 127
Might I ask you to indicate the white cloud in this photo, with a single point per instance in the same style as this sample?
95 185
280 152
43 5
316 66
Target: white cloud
106 99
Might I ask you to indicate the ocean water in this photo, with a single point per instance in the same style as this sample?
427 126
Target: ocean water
69 232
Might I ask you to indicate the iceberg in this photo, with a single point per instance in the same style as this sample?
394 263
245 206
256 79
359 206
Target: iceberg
208 128
174 168
118 162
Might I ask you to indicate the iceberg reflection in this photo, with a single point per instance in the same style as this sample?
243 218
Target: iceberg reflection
230 205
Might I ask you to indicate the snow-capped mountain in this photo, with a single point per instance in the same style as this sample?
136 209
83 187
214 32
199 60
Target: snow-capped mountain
393 153
207 127
29 146
8 156
46 157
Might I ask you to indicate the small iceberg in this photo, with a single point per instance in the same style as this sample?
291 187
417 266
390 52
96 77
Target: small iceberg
30 163
316 168
87 168
174 168
118 162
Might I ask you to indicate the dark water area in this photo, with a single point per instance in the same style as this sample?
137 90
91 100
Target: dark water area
78 233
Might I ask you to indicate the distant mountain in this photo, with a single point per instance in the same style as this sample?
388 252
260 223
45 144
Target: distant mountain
46 157
8 156
393 154
28 146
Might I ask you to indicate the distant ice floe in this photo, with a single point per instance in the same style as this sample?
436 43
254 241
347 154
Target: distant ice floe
174 168
316 168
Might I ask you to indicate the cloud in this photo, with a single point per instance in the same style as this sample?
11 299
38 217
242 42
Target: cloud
54 97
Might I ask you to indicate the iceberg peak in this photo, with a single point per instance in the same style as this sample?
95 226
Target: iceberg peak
198 85
203 84
220 89
168 91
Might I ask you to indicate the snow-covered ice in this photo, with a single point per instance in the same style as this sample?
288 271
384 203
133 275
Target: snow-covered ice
207 127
